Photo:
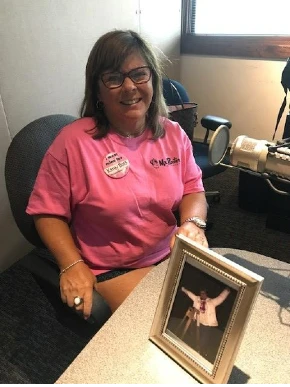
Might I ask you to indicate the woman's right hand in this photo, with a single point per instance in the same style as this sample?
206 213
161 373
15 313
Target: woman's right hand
78 281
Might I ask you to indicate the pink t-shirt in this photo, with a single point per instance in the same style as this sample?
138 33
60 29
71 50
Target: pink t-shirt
117 193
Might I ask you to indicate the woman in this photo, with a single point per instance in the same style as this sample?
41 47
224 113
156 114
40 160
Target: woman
105 194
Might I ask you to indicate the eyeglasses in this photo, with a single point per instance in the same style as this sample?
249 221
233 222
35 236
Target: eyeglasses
116 79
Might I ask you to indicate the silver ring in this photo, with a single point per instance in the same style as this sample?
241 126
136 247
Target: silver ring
78 301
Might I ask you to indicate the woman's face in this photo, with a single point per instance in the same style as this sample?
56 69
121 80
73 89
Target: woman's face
129 103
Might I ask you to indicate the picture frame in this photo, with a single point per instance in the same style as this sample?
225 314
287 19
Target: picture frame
203 310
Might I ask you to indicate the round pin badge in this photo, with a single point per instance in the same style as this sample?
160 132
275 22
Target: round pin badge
116 165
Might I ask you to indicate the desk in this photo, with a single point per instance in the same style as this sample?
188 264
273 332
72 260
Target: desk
120 353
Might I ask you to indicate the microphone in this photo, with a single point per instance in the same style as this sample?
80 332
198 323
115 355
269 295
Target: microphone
266 159
261 156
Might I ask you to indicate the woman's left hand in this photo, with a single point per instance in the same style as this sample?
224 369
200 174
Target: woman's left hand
190 230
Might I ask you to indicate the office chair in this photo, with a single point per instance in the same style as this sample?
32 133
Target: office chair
23 160
175 94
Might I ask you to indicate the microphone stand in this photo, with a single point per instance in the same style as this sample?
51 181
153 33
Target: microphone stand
285 143
265 176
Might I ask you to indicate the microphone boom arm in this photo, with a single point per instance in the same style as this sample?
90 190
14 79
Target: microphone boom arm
265 176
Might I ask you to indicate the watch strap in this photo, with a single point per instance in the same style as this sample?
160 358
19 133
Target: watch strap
197 221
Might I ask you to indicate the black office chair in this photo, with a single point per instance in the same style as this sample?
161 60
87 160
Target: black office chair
23 160
175 94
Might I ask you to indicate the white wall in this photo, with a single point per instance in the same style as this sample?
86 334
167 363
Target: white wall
160 21
247 92
44 49
45 45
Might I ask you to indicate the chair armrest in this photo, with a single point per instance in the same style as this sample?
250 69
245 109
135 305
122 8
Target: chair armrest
101 311
48 271
213 122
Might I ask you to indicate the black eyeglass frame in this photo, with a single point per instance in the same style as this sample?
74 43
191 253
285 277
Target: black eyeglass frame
125 75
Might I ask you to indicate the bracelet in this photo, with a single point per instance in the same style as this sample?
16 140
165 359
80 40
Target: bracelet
71 265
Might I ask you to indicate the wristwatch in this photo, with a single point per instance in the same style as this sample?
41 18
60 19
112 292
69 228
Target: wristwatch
197 221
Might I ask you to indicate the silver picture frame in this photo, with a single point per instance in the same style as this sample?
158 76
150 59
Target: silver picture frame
203 310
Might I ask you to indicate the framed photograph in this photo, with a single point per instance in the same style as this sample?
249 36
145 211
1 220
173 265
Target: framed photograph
203 310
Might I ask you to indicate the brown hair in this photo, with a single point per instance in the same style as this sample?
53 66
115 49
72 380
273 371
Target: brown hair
109 53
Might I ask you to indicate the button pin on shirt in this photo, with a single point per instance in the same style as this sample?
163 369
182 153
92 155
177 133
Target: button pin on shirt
116 165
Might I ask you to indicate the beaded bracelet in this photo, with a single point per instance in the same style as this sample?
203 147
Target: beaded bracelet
71 265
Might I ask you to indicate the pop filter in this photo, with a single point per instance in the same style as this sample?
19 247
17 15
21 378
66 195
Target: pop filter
219 145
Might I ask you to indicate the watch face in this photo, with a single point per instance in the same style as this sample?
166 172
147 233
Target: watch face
200 223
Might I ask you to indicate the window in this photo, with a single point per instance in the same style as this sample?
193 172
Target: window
248 28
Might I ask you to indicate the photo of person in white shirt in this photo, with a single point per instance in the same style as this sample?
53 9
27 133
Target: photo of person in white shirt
206 318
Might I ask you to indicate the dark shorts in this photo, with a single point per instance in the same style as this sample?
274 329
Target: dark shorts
115 273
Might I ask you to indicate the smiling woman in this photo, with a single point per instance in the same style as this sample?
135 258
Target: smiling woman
100 204
126 95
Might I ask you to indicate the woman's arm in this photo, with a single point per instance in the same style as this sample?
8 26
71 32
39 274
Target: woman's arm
193 204
78 280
